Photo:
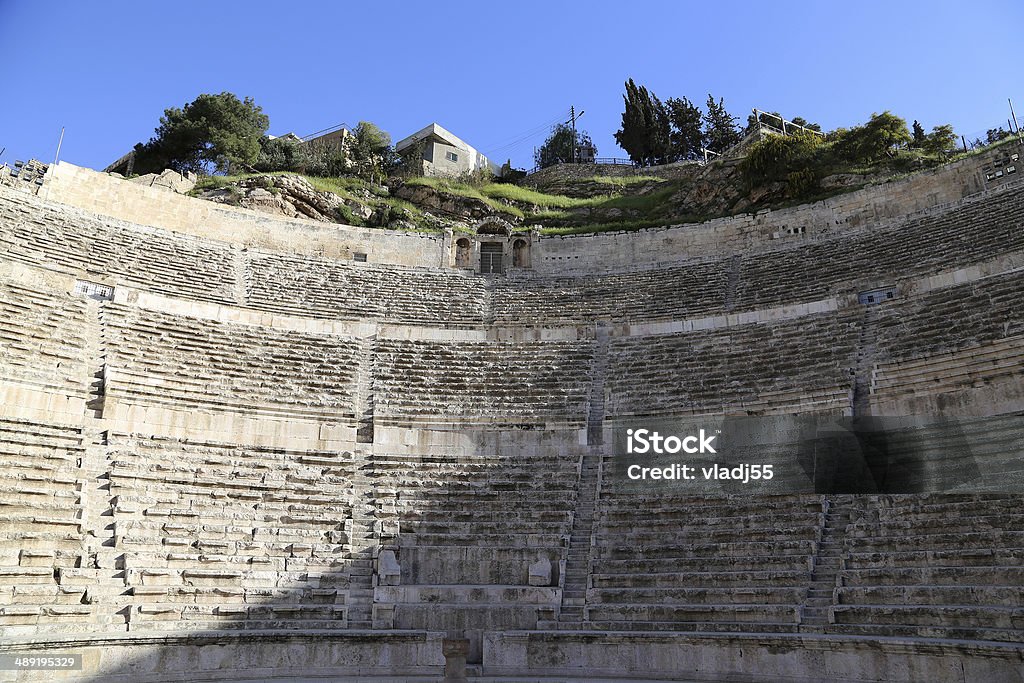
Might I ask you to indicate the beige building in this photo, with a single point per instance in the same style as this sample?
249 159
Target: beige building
444 154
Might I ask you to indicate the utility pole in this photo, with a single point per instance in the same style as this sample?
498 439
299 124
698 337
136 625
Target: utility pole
572 119
1019 138
53 166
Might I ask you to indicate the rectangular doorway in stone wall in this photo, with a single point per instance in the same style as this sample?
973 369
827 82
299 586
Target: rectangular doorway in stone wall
490 257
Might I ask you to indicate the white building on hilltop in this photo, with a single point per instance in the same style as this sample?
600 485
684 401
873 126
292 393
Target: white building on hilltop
444 154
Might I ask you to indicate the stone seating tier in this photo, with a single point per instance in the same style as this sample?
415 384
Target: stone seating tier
953 318
932 566
322 288
226 536
723 370
42 339
203 269
517 382
77 243
672 293
41 521
821 268
719 564
158 357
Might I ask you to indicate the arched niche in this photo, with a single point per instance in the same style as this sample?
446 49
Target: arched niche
520 253
463 253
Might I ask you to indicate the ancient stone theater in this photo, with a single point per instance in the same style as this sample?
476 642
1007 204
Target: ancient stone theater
244 447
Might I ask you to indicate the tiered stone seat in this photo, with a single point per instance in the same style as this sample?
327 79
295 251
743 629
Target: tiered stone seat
934 566
802 365
953 318
674 293
42 339
75 242
968 233
324 288
40 525
701 563
467 381
161 358
468 528
224 536
961 337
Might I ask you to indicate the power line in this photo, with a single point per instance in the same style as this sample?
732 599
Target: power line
519 138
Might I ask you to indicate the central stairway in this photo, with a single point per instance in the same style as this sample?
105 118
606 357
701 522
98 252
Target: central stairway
577 565
827 564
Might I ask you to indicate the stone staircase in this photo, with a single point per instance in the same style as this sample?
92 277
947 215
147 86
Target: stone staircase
596 398
577 564
363 543
94 351
102 557
827 564
364 390
865 364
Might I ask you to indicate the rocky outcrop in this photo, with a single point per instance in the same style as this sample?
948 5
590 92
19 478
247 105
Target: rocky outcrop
284 195
431 198
168 179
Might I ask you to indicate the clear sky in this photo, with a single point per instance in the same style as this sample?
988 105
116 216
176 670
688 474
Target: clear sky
493 73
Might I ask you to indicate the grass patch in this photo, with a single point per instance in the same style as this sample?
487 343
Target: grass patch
463 190
527 196
217 182
619 226
624 181
344 185
644 203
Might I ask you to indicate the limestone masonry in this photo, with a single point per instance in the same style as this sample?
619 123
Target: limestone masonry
235 446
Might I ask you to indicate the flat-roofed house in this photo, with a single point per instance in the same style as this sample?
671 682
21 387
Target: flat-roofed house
443 153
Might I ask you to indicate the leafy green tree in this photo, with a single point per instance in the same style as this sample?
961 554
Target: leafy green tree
560 146
783 158
801 121
720 131
213 132
686 135
369 141
327 159
645 131
873 141
996 134
370 151
942 139
281 154
917 135
632 134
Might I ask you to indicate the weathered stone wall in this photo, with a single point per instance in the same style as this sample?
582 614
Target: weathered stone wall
893 201
153 206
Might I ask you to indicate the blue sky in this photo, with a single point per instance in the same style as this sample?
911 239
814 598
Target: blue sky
493 72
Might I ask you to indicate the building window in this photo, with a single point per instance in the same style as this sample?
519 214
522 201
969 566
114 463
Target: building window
359 257
451 156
